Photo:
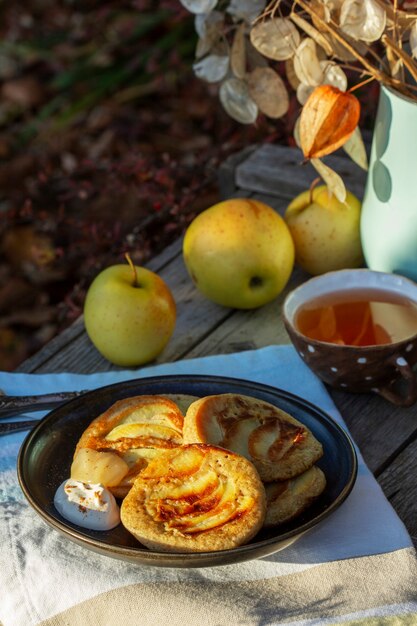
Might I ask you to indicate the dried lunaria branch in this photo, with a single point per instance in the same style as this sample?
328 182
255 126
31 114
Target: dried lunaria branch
241 42
405 58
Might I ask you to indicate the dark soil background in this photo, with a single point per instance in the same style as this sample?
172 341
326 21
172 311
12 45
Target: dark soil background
108 144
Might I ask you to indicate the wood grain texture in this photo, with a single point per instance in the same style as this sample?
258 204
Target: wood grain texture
398 482
281 171
226 176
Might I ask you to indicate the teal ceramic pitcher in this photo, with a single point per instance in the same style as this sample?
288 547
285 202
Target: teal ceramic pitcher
389 210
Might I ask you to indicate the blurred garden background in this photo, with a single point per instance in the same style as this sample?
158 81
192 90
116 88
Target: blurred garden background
108 144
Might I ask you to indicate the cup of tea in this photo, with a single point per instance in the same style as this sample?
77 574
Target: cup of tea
357 330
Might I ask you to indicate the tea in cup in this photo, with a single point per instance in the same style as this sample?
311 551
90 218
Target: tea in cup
357 330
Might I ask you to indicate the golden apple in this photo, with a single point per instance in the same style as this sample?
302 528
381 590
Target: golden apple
239 253
129 314
325 231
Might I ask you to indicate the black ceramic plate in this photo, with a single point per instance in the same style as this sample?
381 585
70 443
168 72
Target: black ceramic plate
45 459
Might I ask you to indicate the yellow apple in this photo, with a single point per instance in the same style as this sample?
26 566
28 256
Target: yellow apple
129 314
239 253
325 231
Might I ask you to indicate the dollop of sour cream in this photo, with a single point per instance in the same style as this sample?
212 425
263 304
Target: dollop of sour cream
86 504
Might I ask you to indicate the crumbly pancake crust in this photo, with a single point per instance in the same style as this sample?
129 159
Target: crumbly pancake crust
201 498
277 444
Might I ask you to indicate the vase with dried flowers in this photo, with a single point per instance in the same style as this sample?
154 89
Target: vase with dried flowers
256 52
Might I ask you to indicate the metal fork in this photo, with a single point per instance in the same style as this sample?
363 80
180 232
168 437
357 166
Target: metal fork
11 406
6 428
14 405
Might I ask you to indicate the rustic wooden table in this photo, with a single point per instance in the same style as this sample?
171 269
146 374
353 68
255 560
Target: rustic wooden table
386 435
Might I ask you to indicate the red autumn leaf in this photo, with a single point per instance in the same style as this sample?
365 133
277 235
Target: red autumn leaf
327 120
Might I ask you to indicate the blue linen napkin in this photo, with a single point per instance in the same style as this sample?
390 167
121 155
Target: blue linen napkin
365 524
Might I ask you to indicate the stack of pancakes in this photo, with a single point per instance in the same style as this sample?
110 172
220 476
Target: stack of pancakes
201 474
281 448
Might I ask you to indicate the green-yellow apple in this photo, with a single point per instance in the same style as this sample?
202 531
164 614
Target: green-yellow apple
239 253
325 231
129 314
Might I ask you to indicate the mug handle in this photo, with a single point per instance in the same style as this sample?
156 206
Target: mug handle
410 392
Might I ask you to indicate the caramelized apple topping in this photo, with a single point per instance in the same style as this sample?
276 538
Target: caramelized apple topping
273 440
194 497
164 413
238 428
142 435
92 466
141 411
137 460
187 462
270 439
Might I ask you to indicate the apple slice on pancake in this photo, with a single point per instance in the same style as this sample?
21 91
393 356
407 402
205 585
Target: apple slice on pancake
277 444
202 498
126 437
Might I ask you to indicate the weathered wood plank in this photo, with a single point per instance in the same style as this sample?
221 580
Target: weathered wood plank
157 263
226 174
279 171
59 344
399 484
379 428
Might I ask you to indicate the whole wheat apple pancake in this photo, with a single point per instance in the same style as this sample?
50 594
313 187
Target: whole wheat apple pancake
277 444
201 498
120 442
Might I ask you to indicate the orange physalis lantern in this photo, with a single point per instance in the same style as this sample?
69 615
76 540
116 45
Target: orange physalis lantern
327 120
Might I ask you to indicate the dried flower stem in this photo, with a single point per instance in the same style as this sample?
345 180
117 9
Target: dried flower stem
395 8
372 70
398 39
269 11
355 68
408 62
361 84
402 18
382 77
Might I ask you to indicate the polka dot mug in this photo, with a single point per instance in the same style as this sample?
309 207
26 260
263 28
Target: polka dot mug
385 369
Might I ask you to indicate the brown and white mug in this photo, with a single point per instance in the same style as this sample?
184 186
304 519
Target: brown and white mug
385 369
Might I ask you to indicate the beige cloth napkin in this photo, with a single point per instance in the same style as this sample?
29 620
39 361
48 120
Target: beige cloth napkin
356 567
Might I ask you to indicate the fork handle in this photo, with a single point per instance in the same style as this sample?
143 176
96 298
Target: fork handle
15 427
13 405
